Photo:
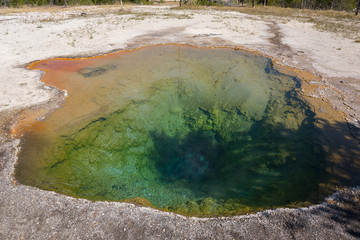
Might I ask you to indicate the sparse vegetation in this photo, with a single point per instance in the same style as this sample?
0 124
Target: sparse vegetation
339 5
343 23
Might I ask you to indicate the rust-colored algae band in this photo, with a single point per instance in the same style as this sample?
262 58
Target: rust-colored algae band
193 130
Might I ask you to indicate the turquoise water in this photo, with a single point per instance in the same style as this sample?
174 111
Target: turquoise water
201 132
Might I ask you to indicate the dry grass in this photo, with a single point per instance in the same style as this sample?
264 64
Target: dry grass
279 12
102 11
56 9
4 10
343 23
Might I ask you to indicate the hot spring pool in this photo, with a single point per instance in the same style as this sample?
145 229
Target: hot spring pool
197 131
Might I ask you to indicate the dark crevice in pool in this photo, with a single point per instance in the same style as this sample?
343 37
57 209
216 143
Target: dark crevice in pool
180 132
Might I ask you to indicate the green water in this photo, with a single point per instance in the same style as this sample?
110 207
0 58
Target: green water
202 132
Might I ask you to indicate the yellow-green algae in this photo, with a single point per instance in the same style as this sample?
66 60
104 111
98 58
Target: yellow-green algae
201 132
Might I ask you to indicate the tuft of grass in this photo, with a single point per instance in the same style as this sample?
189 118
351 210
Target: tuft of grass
73 43
176 16
123 12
